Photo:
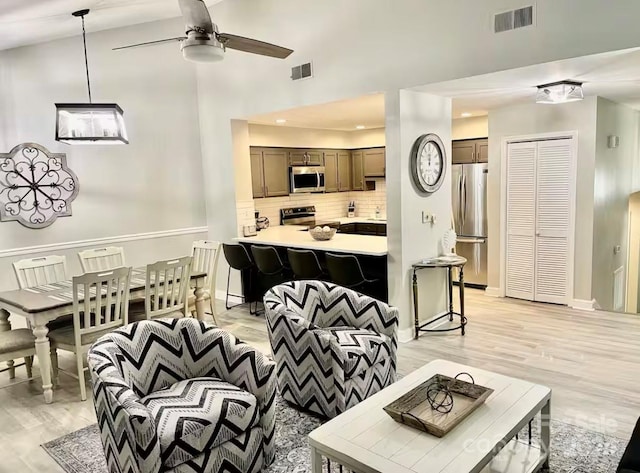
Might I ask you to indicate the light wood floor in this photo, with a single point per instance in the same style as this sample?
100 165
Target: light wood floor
591 360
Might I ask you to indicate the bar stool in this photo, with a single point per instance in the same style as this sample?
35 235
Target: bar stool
345 271
270 267
304 264
238 258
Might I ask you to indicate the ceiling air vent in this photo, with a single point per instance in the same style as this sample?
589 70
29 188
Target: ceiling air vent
513 19
301 72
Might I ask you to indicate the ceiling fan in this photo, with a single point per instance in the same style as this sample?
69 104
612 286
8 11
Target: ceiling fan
203 42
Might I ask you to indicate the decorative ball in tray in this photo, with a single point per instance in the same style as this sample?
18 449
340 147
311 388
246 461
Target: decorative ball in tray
322 233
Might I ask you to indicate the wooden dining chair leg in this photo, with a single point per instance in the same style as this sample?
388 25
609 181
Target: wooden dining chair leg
12 369
28 364
212 304
83 387
54 366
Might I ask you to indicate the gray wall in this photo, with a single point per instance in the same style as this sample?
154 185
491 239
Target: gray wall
153 184
531 119
612 188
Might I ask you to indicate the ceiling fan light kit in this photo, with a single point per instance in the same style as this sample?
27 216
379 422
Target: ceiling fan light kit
204 43
89 123
560 92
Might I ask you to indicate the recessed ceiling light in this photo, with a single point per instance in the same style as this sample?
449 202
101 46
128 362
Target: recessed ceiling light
360 127
281 121
560 92
466 115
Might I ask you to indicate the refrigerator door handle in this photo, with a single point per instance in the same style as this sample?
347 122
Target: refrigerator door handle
460 203
463 198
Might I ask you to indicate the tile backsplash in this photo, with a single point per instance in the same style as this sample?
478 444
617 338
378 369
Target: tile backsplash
328 206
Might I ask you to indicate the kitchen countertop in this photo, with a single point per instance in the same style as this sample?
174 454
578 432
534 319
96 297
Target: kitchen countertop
292 236
344 220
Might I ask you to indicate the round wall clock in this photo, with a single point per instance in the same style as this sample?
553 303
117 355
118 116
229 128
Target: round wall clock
428 163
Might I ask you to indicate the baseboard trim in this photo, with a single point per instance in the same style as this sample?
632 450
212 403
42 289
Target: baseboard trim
405 335
233 299
583 304
100 241
493 292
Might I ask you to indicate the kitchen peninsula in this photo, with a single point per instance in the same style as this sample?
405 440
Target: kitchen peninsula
370 249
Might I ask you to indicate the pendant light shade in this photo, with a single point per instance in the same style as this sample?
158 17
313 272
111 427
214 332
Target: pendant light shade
560 92
89 123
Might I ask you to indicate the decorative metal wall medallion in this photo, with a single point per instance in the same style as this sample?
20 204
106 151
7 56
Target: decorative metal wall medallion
36 186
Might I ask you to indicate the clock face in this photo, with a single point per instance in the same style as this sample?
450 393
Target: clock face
431 164
428 163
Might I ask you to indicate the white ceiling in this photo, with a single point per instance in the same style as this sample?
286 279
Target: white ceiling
344 115
25 22
614 75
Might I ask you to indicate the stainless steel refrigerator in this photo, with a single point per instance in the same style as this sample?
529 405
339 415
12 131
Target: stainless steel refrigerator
469 188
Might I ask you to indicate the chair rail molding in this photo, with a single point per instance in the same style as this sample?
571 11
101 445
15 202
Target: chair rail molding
101 241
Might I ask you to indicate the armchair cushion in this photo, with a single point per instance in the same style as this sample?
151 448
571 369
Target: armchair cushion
196 415
360 349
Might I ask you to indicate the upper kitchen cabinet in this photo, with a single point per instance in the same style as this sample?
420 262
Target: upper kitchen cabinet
331 171
357 170
374 162
305 157
344 171
269 172
470 151
257 173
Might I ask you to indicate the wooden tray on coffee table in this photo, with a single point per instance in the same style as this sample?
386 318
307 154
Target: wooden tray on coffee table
413 408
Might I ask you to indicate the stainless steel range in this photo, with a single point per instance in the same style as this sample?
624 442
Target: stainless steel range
304 216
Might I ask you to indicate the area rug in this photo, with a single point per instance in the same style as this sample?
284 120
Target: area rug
574 450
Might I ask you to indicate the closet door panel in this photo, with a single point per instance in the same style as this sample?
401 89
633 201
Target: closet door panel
553 220
521 220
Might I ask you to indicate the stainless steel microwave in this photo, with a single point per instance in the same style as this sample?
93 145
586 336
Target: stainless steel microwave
305 179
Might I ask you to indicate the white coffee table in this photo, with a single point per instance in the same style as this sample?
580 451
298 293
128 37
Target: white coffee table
366 440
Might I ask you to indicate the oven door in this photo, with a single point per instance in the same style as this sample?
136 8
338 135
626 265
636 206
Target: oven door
306 179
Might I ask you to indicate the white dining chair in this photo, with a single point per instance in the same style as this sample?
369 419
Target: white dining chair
103 310
101 259
166 288
39 271
32 272
205 254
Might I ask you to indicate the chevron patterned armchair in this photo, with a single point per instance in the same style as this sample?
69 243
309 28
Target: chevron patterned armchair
333 346
182 396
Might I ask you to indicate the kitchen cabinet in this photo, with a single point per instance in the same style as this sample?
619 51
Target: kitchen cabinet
269 172
374 162
257 173
470 151
357 170
306 157
331 171
362 228
344 171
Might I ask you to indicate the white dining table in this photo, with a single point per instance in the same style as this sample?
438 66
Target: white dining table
42 304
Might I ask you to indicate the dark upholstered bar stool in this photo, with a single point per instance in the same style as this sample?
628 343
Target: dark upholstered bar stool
271 269
238 258
345 271
304 264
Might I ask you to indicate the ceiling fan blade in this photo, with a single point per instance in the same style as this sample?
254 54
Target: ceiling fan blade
254 46
196 15
151 43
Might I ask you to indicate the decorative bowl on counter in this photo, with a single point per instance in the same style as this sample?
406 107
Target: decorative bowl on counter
322 233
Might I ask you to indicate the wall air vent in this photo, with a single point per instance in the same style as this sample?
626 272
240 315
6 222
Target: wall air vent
513 19
302 71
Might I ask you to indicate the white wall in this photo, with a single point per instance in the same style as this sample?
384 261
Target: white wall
472 127
531 119
612 189
364 60
155 183
293 137
409 240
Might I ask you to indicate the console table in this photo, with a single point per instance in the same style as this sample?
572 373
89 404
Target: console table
448 263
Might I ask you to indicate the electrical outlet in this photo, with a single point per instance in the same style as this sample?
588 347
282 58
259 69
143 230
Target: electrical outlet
428 217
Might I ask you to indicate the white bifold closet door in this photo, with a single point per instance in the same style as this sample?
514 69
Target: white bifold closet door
539 184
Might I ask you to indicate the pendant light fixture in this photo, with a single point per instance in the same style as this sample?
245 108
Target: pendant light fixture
89 123
560 92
